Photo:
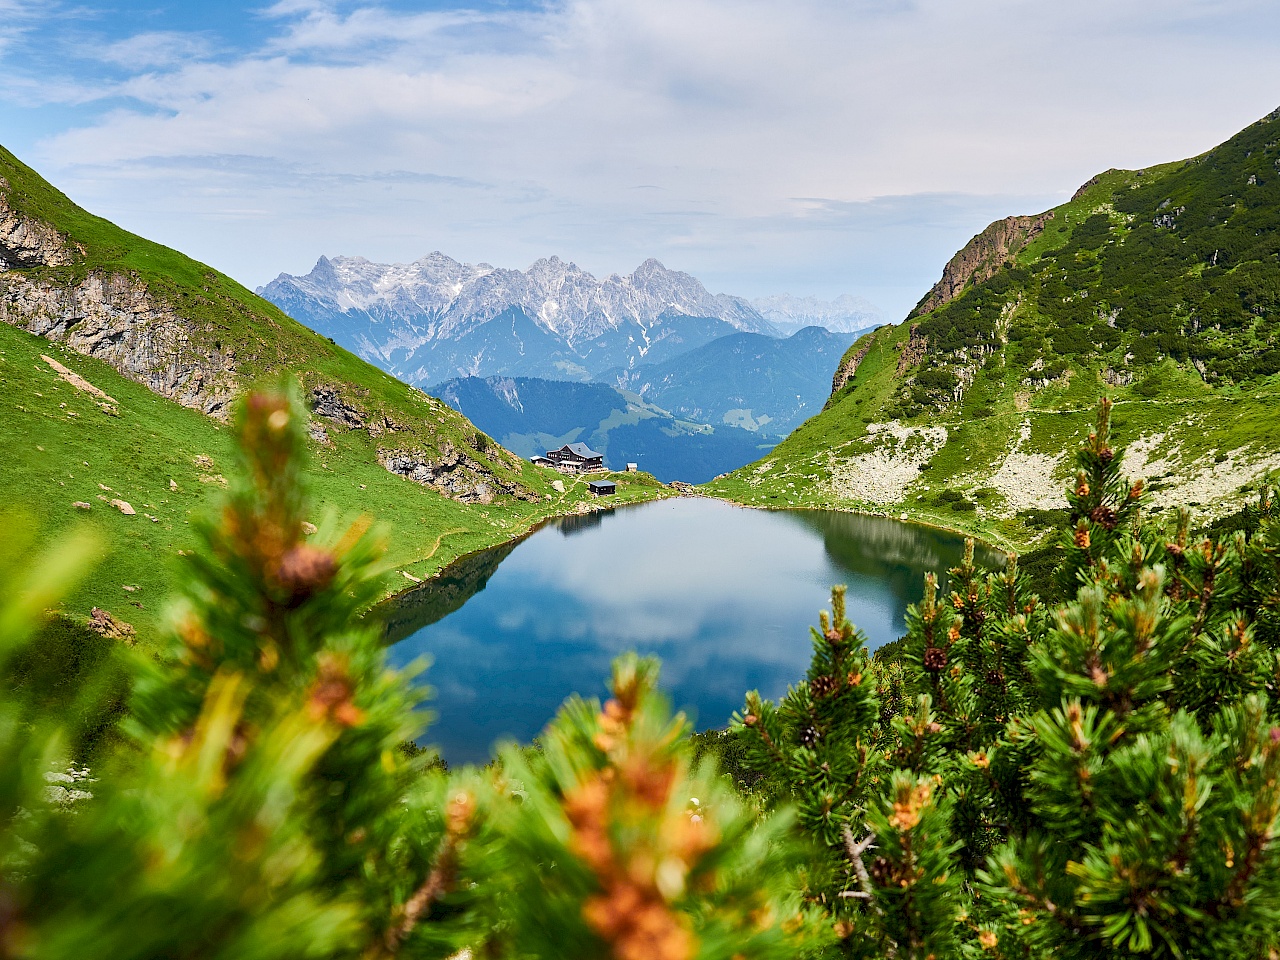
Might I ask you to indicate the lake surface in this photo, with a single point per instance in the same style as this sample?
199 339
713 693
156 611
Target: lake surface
724 595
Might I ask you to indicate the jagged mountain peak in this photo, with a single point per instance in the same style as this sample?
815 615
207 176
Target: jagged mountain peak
445 298
438 318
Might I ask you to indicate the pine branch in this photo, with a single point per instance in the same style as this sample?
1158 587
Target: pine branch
855 849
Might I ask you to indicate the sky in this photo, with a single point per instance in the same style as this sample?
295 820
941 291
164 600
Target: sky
812 147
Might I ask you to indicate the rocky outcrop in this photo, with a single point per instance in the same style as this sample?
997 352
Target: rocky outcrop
26 243
105 625
848 367
115 318
913 351
981 257
328 403
452 472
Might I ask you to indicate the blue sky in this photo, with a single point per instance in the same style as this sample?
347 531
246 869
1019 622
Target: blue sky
806 146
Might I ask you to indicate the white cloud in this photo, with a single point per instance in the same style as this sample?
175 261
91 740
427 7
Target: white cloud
767 135
159 48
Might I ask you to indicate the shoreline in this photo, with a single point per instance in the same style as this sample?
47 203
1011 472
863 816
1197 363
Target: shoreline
688 492
987 539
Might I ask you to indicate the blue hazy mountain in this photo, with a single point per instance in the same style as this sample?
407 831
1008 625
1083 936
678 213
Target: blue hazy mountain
745 380
529 415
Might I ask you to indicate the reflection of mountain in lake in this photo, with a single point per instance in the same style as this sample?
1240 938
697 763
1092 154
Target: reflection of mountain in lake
889 552
440 596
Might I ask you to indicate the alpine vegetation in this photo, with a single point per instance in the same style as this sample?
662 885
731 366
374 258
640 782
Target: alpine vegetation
1010 781
1096 780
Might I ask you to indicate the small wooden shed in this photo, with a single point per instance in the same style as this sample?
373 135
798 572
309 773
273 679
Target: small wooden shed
602 488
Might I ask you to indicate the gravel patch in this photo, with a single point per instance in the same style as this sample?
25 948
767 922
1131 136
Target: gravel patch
883 474
1026 480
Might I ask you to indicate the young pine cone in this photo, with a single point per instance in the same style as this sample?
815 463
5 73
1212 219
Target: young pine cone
935 659
823 686
1104 516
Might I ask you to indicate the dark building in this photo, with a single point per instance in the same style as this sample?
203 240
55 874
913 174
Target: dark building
576 458
602 488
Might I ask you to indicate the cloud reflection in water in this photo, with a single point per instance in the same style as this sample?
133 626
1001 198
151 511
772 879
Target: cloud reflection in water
724 595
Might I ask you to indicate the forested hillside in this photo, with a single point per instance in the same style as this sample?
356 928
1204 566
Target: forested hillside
1158 287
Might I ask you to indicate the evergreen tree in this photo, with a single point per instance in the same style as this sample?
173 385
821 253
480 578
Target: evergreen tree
1092 781
261 804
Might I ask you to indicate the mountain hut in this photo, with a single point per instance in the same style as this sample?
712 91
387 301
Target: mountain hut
576 458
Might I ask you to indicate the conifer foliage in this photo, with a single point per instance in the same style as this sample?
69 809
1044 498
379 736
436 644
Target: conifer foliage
1100 780
260 805
1096 780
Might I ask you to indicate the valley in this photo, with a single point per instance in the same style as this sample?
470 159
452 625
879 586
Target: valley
162 346
704 382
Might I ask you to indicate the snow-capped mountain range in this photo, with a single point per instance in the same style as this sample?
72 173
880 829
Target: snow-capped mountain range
844 314
437 318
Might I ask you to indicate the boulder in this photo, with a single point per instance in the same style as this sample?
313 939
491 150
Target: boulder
104 624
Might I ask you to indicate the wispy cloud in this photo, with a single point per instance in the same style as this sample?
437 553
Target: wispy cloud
158 48
745 140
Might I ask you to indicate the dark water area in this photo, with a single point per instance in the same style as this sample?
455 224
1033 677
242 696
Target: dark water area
724 595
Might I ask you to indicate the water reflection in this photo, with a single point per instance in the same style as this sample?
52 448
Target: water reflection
724 595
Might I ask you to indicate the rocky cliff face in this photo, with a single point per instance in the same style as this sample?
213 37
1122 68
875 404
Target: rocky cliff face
981 257
26 243
115 318
111 316
848 368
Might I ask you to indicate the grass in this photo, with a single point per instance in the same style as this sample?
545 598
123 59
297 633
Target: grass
168 462
1103 289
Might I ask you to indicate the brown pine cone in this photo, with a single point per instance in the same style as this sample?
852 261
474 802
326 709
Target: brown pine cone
823 686
1104 516
304 571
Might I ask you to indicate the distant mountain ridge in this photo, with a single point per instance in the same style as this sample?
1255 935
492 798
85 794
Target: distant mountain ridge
437 318
747 380
530 415
845 314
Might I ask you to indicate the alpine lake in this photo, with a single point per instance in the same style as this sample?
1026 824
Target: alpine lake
724 595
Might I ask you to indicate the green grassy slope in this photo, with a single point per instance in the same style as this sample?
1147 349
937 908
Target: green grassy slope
61 445
1160 288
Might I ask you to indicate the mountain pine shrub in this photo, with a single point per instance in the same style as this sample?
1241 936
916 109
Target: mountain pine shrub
261 805
1099 780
